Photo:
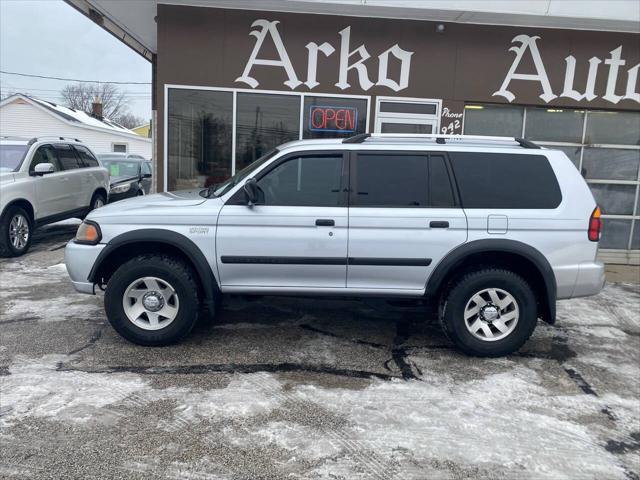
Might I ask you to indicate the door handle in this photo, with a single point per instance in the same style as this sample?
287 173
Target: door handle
439 224
325 222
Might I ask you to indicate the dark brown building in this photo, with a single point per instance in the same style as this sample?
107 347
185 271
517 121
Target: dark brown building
230 84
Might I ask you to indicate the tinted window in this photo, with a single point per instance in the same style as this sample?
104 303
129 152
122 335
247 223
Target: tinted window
390 180
439 183
45 154
67 156
146 168
86 156
304 181
499 180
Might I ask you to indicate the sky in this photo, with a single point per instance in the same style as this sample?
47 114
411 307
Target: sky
50 38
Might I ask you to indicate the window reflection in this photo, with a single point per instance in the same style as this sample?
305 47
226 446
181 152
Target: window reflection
199 138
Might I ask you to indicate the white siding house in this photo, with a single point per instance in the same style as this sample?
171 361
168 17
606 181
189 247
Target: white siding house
25 116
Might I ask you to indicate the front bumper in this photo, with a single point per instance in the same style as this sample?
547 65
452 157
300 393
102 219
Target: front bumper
79 260
590 279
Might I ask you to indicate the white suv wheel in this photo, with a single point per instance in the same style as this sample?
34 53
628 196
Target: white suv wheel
19 231
150 303
491 314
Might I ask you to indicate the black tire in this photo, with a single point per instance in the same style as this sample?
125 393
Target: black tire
455 302
168 269
98 200
7 249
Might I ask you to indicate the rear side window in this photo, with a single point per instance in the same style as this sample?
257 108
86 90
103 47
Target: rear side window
440 190
390 180
67 156
500 180
86 156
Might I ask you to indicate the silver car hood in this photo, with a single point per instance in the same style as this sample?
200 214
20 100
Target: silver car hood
166 203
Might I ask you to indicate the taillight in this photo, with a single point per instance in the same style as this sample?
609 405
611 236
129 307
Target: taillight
595 225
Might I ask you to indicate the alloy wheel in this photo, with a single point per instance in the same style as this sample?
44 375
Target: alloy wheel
491 314
19 231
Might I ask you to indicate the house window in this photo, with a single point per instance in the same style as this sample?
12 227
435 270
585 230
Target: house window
119 147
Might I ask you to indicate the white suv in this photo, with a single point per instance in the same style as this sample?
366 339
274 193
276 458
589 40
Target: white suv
45 180
491 231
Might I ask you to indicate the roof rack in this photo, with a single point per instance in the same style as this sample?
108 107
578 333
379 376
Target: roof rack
442 139
53 137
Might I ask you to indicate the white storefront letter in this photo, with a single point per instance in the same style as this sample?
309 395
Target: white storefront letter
405 67
312 64
284 61
526 42
345 54
589 91
632 80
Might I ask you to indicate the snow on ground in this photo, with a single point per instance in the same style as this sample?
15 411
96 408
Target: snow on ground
280 388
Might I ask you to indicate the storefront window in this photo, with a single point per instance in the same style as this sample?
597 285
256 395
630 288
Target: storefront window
199 138
504 121
264 121
605 146
610 163
330 117
555 125
613 128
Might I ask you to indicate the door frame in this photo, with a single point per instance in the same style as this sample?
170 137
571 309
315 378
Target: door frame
416 118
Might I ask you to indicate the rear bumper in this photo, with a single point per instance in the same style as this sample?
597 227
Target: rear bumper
590 279
79 260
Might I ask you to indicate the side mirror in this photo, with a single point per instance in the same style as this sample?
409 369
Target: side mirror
43 169
251 191
146 175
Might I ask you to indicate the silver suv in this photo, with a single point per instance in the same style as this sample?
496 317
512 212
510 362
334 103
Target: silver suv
44 180
490 230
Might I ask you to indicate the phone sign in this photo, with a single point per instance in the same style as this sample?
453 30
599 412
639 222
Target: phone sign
333 119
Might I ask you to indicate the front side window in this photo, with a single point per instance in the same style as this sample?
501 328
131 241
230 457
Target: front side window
304 181
390 180
146 168
45 154
67 156
86 156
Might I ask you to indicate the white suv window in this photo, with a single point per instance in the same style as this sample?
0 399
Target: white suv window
45 154
68 158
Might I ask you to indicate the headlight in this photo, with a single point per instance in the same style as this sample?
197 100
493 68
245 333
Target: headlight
88 233
120 188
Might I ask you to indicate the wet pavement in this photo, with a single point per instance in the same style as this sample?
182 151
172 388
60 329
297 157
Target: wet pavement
308 389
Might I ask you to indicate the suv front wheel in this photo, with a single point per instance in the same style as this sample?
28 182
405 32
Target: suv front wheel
489 313
16 231
152 300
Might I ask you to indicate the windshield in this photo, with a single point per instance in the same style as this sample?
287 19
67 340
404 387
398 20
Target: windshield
11 157
121 168
218 190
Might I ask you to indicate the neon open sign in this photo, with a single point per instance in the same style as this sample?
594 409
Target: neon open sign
333 119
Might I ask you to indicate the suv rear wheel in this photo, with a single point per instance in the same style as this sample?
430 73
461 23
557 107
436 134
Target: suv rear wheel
152 300
489 313
16 231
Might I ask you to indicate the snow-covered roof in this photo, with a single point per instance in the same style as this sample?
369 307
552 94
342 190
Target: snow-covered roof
72 115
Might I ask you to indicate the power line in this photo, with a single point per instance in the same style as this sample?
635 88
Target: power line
72 79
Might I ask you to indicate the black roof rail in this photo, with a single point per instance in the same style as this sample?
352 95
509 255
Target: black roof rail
359 138
524 143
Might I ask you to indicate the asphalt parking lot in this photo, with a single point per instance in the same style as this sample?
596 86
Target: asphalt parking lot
308 389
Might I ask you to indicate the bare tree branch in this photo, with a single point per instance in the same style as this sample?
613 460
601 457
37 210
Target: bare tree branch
80 96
